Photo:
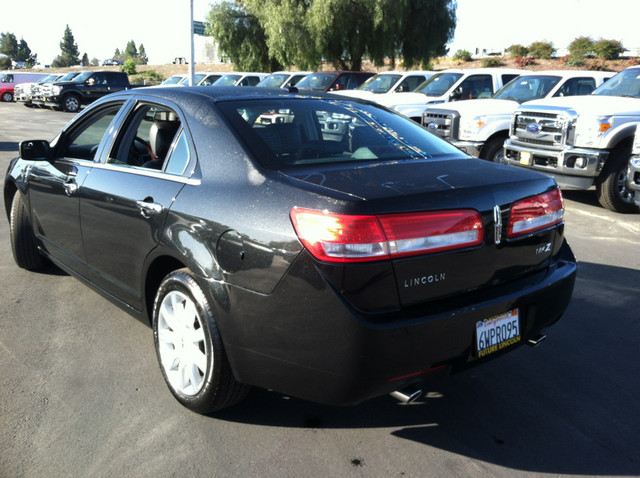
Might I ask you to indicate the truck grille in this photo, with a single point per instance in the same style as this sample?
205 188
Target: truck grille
442 123
542 128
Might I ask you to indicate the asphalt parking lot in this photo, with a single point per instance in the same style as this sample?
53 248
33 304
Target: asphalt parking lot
81 393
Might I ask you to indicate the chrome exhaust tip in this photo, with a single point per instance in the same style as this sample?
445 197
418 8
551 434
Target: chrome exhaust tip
407 395
534 342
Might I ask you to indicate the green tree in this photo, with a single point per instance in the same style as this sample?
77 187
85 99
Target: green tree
342 32
241 37
9 45
85 60
541 50
69 55
142 55
608 49
580 48
25 54
130 50
117 55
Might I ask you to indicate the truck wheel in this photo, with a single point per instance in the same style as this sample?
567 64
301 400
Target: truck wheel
23 242
7 96
71 103
612 187
494 150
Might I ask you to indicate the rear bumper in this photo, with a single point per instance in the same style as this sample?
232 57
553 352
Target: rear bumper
303 340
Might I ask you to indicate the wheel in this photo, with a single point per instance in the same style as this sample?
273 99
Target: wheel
611 187
7 96
189 347
494 150
71 103
23 242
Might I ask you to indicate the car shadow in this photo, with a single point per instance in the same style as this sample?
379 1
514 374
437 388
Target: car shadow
587 197
6 146
566 407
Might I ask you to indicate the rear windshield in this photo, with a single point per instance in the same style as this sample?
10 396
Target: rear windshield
297 132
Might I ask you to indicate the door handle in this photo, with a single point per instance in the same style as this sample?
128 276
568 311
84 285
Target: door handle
149 208
70 187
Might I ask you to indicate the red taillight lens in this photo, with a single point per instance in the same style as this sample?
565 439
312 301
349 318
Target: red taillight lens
346 238
536 213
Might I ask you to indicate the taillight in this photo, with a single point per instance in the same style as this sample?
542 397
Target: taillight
535 213
347 238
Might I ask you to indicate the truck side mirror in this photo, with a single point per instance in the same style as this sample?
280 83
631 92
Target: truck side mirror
35 150
456 94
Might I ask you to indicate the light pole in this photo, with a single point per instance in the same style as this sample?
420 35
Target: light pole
192 66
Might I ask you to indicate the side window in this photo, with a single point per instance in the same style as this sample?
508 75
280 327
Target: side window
148 138
180 156
410 83
506 78
577 86
476 86
82 142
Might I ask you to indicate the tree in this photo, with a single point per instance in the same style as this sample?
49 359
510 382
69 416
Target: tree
24 54
518 50
142 55
343 32
130 50
9 45
69 55
608 49
241 37
117 55
85 60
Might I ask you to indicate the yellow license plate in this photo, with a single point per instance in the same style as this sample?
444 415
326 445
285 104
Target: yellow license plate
525 158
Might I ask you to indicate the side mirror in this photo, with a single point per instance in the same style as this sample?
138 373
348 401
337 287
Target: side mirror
35 150
456 95
90 82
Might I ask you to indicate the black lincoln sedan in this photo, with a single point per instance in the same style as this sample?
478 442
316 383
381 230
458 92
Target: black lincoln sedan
322 247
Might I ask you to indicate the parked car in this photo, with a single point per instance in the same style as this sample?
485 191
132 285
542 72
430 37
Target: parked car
23 92
283 79
388 83
201 79
450 85
333 80
240 79
112 62
8 81
173 80
338 255
83 89
35 97
582 141
480 127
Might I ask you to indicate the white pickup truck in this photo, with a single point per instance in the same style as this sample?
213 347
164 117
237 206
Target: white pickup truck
449 85
582 141
634 167
387 83
480 127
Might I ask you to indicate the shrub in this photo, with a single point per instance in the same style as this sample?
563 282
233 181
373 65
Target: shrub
608 49
462 55
581 47
597 65
633 61
146 78
129 67
491 62
522 61
571 60
518 51
541 50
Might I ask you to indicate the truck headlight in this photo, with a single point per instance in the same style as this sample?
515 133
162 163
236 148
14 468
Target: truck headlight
471 125
56 90
589 130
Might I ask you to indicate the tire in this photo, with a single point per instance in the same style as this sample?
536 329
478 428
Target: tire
189 346
611 187
7 96
71 103
494 150
24 244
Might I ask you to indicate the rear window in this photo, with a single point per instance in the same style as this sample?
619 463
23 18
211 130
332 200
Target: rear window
297 132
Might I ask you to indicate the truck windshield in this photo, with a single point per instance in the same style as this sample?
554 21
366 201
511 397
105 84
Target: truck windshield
82 77
625 83
380 83
527 88
438 84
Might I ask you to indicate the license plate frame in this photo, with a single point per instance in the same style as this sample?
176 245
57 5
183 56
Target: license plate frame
525 158
497 333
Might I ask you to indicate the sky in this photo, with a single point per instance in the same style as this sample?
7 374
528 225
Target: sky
163 26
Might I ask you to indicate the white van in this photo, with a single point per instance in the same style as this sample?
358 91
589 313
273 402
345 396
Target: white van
8 79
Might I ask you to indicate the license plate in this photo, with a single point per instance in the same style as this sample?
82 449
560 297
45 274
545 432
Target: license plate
497 332
525 158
